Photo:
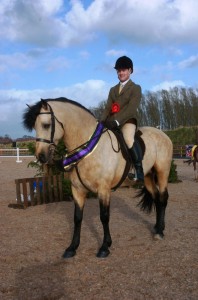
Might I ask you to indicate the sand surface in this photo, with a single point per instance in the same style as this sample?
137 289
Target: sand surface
33 240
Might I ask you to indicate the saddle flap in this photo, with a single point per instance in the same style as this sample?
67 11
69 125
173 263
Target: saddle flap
123 145
140 141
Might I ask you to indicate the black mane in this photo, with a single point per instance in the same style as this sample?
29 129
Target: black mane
31 113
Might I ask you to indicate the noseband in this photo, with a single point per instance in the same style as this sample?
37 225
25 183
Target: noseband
53 118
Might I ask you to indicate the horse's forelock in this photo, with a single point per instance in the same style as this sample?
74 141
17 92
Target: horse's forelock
30 115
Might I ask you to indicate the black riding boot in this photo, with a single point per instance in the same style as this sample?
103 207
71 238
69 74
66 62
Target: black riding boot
136 156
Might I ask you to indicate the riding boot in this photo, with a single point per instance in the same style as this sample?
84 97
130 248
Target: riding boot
136 156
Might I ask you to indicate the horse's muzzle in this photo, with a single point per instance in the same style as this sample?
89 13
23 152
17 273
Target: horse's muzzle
42 158
47 157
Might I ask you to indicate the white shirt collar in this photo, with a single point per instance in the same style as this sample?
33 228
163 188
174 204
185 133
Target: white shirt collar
123 83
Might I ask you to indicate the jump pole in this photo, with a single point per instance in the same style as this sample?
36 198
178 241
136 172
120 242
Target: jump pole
18 160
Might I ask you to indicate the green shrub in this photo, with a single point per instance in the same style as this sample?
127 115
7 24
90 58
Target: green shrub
173 178
38 166
67 192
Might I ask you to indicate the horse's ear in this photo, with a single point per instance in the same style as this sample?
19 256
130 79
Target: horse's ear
44 104
29 106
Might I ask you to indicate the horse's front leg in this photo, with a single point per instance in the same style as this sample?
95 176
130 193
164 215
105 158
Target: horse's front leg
78 216
79 198
104 217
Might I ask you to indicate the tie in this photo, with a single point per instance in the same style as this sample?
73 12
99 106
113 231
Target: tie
120 88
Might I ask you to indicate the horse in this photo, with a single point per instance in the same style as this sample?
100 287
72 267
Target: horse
194 160
100 171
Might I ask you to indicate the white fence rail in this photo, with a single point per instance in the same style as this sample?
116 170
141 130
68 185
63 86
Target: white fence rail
15 152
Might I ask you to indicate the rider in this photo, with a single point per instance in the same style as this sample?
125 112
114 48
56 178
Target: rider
121 110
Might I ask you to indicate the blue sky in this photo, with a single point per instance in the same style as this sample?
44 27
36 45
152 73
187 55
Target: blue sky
63 48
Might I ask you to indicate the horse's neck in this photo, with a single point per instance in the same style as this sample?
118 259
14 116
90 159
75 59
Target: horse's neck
78 134
79 126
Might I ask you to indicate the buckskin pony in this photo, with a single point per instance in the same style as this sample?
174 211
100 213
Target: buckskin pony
101 170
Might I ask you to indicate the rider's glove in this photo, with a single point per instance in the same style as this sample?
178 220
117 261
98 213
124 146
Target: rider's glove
111 124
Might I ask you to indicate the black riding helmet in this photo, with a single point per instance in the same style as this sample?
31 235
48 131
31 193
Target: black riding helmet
124 62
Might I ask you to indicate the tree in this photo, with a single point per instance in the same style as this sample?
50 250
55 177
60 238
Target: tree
168 109
97 111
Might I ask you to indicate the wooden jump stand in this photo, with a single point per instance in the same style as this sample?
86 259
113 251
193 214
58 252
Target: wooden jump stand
38 190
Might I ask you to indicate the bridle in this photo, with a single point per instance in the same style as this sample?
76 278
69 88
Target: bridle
53 118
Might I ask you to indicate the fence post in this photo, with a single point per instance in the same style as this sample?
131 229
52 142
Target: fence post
18 160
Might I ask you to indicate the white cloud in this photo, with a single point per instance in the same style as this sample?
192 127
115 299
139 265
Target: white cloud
158 21
13 102
174 51
115 53
15 60
166 85
140 21
90 92
58 63
50 7
191 62
29 21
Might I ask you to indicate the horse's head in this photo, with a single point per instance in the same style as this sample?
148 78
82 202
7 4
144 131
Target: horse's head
49 130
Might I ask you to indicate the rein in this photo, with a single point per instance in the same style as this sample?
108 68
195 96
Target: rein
53 118
116 151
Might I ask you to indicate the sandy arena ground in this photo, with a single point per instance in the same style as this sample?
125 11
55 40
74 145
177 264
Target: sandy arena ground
33 240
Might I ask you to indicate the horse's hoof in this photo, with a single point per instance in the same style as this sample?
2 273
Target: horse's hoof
158 237
69 253
103 253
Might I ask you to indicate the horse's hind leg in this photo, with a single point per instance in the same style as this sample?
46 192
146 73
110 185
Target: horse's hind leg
154 197
160 203
79 199
104 217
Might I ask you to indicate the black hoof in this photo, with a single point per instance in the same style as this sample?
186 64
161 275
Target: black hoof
158 232
103 253
69 253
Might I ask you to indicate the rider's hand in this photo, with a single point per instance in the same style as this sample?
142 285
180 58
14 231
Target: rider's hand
111 124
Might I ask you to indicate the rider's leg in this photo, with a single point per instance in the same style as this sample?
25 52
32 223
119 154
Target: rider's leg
134 149
136 155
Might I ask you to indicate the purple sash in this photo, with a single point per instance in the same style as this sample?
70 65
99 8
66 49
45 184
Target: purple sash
85 149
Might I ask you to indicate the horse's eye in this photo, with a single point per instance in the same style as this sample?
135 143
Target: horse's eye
46 126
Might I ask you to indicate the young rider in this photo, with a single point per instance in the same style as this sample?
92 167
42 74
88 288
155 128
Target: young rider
121 110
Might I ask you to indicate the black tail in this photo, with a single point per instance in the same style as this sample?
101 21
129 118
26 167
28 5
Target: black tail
147 202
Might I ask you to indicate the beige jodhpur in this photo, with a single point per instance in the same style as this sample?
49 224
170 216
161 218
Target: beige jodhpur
128 131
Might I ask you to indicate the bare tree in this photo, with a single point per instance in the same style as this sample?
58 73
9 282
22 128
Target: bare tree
97 111
165 109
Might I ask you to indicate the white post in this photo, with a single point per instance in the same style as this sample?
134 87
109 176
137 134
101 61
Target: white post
18 161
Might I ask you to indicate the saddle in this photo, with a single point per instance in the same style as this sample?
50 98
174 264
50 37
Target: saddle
125 152
123 146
